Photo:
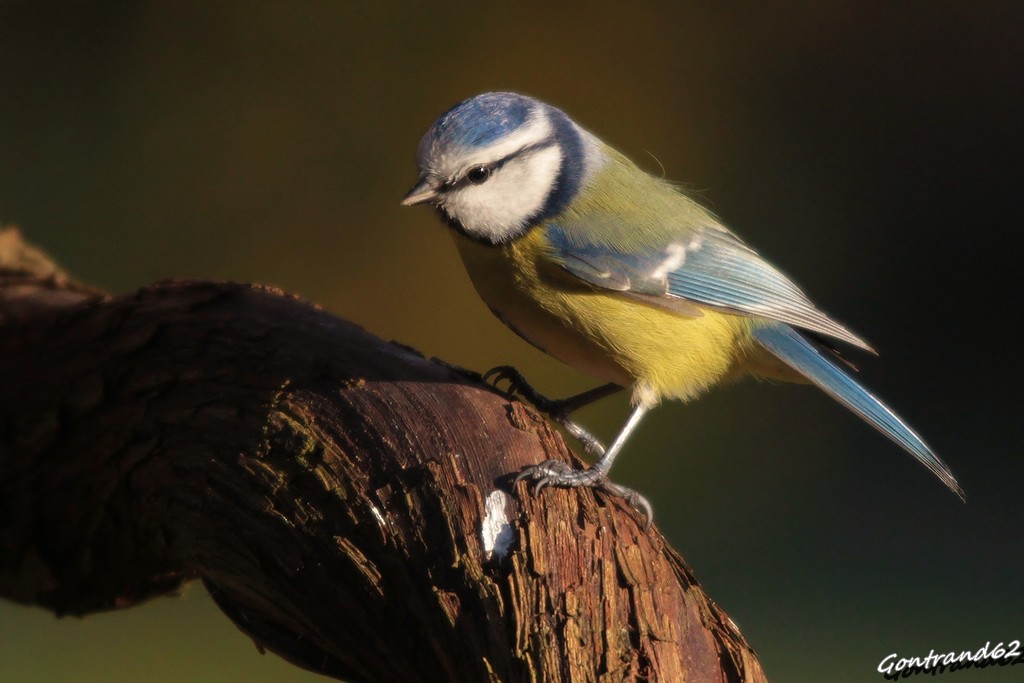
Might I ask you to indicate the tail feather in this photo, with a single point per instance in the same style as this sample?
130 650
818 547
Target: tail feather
810 360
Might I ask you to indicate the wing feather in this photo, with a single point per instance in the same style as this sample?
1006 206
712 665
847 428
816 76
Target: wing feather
708 266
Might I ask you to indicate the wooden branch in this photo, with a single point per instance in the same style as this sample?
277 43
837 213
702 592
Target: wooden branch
346 501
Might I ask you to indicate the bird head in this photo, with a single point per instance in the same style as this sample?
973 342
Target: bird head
499 163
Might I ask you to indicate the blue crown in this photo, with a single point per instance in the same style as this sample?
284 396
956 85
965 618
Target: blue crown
480 120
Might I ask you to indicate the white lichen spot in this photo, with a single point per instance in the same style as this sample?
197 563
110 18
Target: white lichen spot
380 517
675 254
496 529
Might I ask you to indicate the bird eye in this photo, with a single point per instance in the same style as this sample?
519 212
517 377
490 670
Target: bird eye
478 174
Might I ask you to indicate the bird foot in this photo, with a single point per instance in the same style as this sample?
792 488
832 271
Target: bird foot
518 386
560 474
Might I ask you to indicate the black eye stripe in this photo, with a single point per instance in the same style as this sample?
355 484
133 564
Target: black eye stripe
462 179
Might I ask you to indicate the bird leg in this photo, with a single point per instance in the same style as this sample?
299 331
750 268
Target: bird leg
558 410
561 474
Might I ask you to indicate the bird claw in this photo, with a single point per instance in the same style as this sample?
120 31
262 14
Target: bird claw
637 501
560 474
499 373
518 386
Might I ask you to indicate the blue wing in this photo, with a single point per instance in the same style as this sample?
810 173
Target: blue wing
807 358
708 266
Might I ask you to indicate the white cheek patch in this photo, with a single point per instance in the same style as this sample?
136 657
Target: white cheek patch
498 208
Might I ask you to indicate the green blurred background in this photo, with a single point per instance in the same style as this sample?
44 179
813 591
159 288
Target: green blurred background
872 150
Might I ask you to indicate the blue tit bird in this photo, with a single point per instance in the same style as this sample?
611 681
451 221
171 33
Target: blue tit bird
620 275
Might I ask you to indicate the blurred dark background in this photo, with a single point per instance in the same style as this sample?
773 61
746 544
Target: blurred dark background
872 150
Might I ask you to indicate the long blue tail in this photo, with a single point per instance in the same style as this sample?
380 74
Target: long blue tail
813 362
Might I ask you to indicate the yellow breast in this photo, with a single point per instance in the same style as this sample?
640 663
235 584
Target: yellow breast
602 333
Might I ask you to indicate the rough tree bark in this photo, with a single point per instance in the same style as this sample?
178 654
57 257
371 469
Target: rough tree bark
330 489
